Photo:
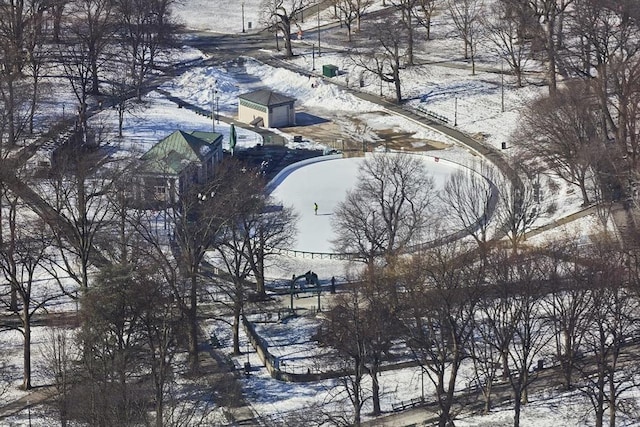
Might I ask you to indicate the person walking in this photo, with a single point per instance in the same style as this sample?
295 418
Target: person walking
315 208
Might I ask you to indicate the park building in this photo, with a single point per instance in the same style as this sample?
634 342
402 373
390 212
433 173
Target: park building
266 108
176 162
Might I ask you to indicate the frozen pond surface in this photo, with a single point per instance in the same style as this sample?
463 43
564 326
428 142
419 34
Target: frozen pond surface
326 183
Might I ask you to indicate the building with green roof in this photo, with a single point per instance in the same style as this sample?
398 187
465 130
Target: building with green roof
178 161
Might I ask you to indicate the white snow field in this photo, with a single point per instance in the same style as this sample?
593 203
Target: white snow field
475 99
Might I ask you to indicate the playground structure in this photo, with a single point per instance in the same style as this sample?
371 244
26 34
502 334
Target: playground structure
312 285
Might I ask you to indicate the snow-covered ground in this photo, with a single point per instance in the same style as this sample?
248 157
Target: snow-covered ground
475 100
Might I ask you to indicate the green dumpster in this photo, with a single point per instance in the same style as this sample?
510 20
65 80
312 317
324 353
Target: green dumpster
329 70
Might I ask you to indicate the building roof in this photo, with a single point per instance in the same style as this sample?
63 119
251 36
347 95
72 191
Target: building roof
267 98
178 150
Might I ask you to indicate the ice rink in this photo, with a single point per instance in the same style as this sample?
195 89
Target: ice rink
326 183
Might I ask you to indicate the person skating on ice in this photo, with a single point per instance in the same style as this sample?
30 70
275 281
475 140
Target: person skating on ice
315 208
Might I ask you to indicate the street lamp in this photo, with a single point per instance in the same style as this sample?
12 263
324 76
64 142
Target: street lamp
455 112
313 57
502 83
422 369
242 4
217 107
213 105
318 30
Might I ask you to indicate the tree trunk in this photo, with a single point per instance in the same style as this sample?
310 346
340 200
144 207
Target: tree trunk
487 395
517 404
26 354
551 52
193 322
237 309
375 389
410 42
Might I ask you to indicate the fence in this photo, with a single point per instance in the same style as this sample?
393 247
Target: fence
283 371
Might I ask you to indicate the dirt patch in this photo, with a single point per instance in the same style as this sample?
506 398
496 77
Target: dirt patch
394 140
351 133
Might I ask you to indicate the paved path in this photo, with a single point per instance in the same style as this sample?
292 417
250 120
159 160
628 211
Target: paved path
36 396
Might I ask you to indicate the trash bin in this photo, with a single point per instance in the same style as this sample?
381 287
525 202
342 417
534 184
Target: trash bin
329 70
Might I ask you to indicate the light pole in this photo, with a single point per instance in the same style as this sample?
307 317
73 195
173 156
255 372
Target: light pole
318 30
313 57
217 107
455 112
213 105
422 381
242 4
502 83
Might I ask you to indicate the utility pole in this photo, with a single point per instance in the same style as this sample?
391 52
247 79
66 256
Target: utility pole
242 16
455 112
213 111
318 29
502 84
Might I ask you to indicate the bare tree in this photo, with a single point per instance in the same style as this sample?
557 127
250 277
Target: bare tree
547 22
20 32
441 293
112 338
282 14
60 357
517 209
388 210
90 26
424 11
562 132
408 10
78 191
24 244
469 199
144 27
344 329
522 279
612 320
467 18
568 305
605 53
383 53
351 11
494 325
267 233
57 11
383 326
504 31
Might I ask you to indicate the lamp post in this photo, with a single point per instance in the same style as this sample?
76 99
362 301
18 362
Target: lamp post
242 4
213 105
313 57
318 30
455 112
217 107
422 381
502 84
